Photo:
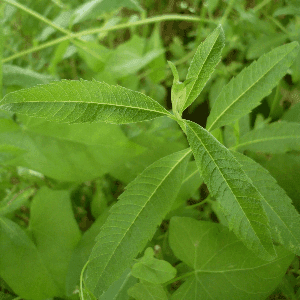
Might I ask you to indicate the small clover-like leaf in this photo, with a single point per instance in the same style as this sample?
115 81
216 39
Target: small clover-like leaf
153 270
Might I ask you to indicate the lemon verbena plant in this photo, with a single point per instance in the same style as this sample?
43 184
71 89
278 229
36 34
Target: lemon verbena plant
244 255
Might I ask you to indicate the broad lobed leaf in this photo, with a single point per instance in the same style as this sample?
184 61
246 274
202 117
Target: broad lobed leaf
147 291
277 137
133 220
223 268
233 189
82 101
40 262
153 270
246 90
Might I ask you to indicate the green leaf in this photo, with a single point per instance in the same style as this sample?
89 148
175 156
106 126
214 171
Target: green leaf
157 66
58 56
82 252
265 43
14 75
245 91
93 53
174 72
223 268
89 150
160 137
285 168
133 220
94 9
15 200
82 101
233 189
130 57
55 231
207 56
189 186
9 152
293 114
153 270
147 291
21 265
277 137
283 217
118 290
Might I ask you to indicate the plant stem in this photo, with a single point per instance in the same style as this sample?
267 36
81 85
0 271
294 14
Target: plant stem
179 278
1 47
206 200
261 5
278 24
98 30
37 16
227 11
81 280
48 22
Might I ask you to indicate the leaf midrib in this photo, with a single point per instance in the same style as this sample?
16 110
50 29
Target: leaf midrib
255 141
237 270
251 86
82 102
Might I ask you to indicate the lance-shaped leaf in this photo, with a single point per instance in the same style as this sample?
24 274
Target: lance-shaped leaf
223 268
82 101
278 137
133 220
228 183
283 217
203 64
245 91
153 270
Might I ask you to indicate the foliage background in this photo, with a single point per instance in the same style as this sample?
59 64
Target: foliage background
82 174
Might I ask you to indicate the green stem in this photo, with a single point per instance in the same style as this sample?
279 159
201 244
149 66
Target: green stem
177 62
58 28
180 277
81 280
37 16
277 23
113 28
227 11
261 5
1 48
207 200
